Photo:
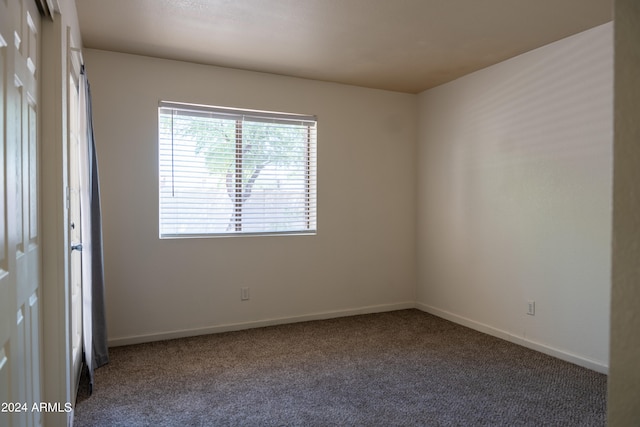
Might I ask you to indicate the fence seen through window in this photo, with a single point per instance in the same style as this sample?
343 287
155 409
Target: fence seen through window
228 172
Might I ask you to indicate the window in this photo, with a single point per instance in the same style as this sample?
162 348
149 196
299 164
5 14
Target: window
228 172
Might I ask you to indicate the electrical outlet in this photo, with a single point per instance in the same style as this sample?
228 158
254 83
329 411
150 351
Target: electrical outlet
244 294
531 308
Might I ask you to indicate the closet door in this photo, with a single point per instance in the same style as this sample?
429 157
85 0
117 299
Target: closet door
20 293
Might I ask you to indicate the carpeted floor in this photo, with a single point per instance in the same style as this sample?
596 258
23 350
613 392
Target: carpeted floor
401 368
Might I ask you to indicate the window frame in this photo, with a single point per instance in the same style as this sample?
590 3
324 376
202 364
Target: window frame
240 118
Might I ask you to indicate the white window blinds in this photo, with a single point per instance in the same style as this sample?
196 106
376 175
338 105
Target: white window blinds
227 172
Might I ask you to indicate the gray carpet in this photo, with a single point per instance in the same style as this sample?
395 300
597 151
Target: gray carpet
401 368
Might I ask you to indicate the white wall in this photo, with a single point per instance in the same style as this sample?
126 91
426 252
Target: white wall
514 181
363 258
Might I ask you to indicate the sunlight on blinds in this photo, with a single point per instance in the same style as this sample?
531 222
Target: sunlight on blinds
229 172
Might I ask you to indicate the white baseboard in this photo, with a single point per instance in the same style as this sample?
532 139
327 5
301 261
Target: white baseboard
139 339
481 327
507 336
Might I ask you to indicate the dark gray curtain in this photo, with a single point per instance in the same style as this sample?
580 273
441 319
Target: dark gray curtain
96 352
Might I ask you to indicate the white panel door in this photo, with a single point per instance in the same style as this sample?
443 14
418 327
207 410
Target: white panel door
20 293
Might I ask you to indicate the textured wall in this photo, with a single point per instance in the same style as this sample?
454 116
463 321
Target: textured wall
515 198
363 256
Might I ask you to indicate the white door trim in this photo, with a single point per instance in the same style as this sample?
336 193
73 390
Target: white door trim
54 219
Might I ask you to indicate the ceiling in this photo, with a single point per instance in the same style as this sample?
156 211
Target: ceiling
400 45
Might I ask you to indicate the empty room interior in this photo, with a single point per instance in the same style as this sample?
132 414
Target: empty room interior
475 162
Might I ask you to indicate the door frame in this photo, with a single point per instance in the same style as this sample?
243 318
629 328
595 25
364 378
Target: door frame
59 36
